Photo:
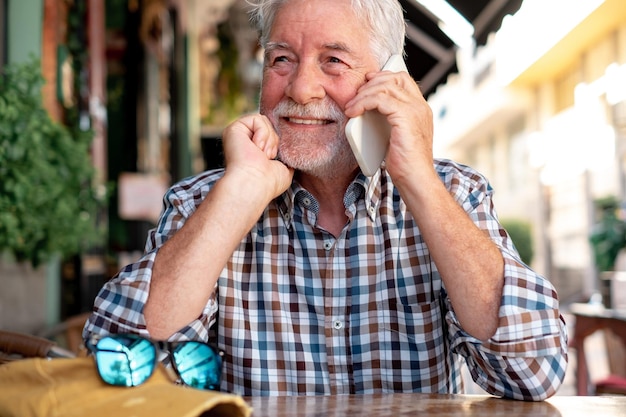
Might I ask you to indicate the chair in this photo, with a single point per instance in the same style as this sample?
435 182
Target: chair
615 383
588 319
15 346
68 333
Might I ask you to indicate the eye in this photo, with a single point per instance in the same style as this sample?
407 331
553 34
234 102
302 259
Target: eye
281 58
277 56
281 64
334 65
335 60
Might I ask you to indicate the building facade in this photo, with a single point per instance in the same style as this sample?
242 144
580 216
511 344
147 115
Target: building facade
540 110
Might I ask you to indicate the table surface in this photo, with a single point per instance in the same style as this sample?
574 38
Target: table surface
592 310
434 404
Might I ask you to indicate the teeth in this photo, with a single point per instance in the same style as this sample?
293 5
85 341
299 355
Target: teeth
307 121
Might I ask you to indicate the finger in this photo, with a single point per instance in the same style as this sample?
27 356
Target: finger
257 129
262 134
384 92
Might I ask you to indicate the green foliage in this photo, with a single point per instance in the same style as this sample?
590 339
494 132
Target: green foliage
230 100
48 201
521 234
608 235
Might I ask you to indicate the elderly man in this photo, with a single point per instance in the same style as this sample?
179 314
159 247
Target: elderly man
316 279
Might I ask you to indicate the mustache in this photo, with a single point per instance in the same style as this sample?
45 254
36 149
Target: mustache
325 110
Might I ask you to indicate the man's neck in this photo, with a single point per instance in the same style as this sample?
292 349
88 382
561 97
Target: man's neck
329 193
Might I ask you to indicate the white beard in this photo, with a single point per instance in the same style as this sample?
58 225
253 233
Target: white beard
323 157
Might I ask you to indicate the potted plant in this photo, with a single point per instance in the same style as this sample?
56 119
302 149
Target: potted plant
521 235
48 198
608 239
608 236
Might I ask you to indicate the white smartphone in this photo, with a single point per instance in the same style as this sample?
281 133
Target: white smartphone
369 134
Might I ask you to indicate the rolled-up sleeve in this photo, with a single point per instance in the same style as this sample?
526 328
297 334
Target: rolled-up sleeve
119 305
526 359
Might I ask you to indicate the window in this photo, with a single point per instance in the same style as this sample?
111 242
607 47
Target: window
565 86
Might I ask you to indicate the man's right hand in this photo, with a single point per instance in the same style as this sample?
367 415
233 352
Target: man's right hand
250 149
183 276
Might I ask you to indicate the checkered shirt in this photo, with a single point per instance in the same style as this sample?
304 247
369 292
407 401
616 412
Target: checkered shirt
299 311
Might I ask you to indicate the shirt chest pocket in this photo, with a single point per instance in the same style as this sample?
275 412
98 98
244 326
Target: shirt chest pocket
413 345
413 326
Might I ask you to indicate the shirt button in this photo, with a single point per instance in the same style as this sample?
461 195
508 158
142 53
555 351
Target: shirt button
328 245
337 324
306 201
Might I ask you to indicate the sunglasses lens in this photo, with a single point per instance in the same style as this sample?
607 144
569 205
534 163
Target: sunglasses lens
125 360
198 365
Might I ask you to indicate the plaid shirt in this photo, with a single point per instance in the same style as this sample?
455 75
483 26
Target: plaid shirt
299 311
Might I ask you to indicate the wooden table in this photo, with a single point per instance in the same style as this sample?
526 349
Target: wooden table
588 319
380 405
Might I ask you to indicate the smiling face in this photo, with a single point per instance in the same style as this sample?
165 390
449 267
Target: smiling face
316 58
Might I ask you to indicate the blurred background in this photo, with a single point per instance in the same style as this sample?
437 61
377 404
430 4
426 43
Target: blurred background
104 104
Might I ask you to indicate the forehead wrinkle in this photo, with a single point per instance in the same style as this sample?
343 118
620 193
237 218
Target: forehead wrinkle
284 46
272 46
337 46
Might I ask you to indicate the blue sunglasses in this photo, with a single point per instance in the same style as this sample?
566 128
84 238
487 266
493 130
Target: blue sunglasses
128 360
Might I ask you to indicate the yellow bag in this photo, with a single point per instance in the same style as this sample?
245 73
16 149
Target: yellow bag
72 388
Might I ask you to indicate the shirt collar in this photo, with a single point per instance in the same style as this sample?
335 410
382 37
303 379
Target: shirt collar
370 191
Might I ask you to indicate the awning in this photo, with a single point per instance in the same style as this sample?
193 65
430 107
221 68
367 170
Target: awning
431 54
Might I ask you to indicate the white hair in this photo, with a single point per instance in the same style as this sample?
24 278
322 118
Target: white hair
384 18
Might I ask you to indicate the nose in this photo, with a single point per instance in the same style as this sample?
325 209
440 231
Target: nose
306 84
